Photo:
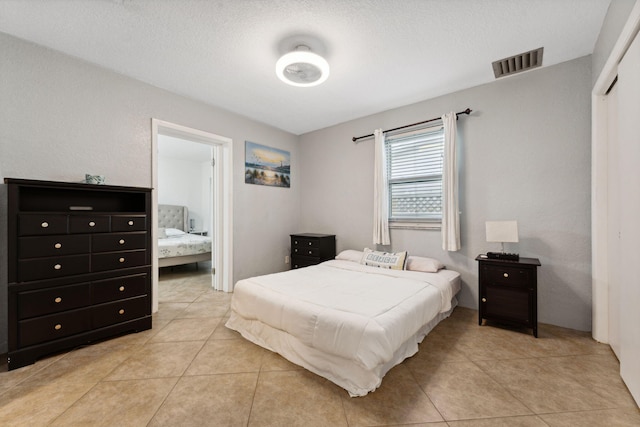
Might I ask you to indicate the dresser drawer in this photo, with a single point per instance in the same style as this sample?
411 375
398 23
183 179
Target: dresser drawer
114 260
41 224
89 223
54 326
128 223
297 242
52 300
50 246
305 251
49 268
302 261
509 276
119 241
119 288
119 311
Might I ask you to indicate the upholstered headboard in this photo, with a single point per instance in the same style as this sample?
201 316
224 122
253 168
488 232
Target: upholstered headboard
172 216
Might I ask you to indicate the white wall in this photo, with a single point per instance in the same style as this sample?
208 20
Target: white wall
61 117
525 155
185 183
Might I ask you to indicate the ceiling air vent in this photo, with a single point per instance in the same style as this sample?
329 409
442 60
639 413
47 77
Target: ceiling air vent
518 63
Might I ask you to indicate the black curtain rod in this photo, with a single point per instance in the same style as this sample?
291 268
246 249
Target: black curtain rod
355 138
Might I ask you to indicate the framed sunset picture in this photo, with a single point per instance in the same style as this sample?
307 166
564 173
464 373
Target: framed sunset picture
266 165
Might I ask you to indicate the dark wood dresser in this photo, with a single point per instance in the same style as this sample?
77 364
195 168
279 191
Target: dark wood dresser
508 291
311 249
79 265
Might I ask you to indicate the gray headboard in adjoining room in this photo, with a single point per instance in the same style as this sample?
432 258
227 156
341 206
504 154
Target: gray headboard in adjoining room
173 216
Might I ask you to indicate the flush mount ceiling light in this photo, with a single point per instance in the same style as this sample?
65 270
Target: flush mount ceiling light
302 68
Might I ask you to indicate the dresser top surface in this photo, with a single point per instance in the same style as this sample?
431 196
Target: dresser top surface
312 235
521 261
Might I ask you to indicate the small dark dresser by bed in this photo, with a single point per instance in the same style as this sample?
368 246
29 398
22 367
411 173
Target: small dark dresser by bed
509 291
311 249
79 265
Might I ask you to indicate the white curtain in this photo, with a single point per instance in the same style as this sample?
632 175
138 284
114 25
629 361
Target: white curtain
450 214
380 193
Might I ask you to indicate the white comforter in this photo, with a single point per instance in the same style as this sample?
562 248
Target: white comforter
360 313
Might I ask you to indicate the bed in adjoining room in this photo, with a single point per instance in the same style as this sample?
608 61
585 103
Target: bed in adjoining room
175 245
346 320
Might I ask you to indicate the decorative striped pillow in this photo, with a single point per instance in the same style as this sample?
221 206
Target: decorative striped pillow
391 260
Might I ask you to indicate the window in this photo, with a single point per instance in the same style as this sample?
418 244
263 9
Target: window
414 173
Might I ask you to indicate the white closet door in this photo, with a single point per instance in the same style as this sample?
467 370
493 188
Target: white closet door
613 225
629 256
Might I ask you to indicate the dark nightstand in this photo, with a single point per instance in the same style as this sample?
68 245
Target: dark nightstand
311 249
508 291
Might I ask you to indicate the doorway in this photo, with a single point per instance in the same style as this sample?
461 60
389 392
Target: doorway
222 209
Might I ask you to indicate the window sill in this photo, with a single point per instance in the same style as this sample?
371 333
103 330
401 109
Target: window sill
416 225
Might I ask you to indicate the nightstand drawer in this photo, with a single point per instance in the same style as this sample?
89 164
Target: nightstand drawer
508 276
305 251
304 243
302 261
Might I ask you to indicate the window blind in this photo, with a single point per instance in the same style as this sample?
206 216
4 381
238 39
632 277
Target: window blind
414 171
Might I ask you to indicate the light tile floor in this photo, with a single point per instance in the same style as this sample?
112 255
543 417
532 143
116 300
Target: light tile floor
189 370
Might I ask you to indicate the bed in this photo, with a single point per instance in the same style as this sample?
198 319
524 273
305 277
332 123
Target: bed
345 321
175 245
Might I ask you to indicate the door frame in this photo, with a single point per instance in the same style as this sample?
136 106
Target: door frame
222 200
599 177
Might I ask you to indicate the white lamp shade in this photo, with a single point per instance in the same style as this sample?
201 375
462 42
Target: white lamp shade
502 231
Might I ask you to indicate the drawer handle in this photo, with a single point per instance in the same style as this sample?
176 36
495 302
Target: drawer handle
484 300
92 224
44 224
130 223
506 274
295 242
310 252
121 260
309 243
57 245
121 288
295 250
57 327
121 311
58 300
57 267
121 241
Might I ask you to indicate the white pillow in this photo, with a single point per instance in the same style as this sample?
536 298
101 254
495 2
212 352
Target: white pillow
390 260
162 233
350 255
173 232
427 265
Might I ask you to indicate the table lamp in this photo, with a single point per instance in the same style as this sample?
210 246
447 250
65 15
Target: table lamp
502 231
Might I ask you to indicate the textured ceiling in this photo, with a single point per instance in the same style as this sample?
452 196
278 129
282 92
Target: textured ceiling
383 53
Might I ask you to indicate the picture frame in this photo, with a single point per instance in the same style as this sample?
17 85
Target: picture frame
266 165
